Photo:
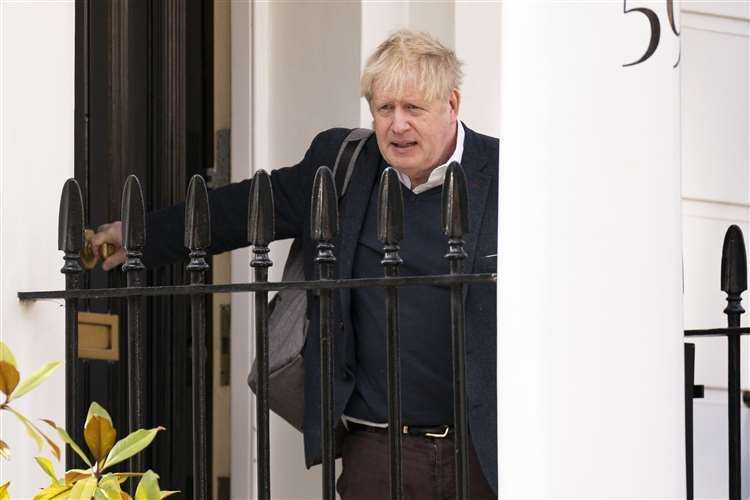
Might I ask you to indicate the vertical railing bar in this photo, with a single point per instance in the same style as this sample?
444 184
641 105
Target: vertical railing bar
455 215
197 239
689 383
735 429
733 283
133 235
390 233
70 241
260 234
324 229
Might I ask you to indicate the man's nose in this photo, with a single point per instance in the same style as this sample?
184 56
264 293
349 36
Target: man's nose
400 122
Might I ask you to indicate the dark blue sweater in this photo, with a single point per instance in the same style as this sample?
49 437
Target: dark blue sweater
426 380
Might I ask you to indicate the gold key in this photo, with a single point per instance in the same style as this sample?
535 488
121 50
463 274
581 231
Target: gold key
88 260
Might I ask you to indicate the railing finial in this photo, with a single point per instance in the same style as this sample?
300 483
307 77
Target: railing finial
734 262
260 227
70 219
455 203
324 219
197 216
390 208
133 222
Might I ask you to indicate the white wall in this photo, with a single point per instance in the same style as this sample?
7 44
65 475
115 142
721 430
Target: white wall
37 157
715 194
590 312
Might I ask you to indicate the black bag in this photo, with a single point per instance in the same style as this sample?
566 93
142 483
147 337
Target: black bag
287 322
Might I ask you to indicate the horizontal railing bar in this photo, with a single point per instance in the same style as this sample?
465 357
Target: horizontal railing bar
717 332
96 293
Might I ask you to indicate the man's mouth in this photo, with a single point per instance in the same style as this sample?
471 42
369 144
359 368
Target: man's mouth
403 144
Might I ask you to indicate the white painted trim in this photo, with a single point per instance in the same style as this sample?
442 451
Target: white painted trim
241 407
717 24
710 209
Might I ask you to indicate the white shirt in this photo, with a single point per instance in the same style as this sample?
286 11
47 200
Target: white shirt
437 176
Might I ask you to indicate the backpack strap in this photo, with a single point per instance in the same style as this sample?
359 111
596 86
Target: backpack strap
347 158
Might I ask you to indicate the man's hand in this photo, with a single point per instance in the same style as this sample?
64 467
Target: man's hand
109 233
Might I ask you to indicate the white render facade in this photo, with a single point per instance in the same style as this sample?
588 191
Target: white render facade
616 184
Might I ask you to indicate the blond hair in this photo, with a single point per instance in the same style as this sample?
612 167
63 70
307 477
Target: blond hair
412 57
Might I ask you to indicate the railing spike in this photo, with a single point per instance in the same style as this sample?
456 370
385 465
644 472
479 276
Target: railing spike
133 215
455 202
734 262
70 219
197 216
260 227
324 219
390 208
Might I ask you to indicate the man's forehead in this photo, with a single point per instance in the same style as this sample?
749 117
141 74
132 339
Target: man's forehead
403 90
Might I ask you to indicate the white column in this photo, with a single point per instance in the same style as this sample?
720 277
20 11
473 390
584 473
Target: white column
590 362
37 52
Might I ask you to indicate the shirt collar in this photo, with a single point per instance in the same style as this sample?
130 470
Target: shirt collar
437 176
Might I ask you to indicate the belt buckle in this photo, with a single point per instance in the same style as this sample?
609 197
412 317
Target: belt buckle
438 435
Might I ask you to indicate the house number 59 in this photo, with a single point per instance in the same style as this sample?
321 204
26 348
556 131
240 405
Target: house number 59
653 21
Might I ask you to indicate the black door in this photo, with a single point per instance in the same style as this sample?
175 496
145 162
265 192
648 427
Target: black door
144 100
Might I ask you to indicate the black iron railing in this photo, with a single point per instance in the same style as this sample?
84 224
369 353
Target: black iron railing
733 283
324 227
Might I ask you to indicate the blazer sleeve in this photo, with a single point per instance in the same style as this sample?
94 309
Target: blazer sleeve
292 186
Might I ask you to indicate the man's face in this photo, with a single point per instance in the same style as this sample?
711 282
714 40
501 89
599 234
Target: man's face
414 135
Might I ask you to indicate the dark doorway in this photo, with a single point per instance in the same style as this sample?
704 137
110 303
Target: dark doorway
144 106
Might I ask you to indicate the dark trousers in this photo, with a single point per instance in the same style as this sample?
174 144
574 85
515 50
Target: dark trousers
428 468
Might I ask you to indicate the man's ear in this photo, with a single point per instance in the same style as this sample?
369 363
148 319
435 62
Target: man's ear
455 102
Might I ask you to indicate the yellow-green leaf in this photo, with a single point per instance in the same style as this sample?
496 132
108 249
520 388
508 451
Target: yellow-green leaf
74 475
83 489
30 429
9 377
148 487
35 379
96 410
125 496
109 486
6 354
58 492
130 445
46 465
4 450
124 476
100 436
168 493
66 437
36 434
4 494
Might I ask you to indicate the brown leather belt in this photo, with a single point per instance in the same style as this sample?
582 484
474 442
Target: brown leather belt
429 431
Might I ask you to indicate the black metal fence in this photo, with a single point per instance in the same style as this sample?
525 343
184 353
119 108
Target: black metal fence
324 227
733 283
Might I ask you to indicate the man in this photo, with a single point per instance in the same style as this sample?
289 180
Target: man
411 83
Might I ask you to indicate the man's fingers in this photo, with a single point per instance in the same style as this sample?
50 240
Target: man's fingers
114 260
110 234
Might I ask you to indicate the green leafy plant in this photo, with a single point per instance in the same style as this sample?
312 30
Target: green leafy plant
95 482
13 388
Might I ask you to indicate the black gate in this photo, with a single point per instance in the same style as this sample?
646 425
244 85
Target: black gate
324 227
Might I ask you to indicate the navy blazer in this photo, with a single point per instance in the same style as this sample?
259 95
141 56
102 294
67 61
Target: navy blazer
292 187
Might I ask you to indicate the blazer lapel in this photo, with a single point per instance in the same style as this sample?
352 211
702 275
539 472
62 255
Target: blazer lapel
478 184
